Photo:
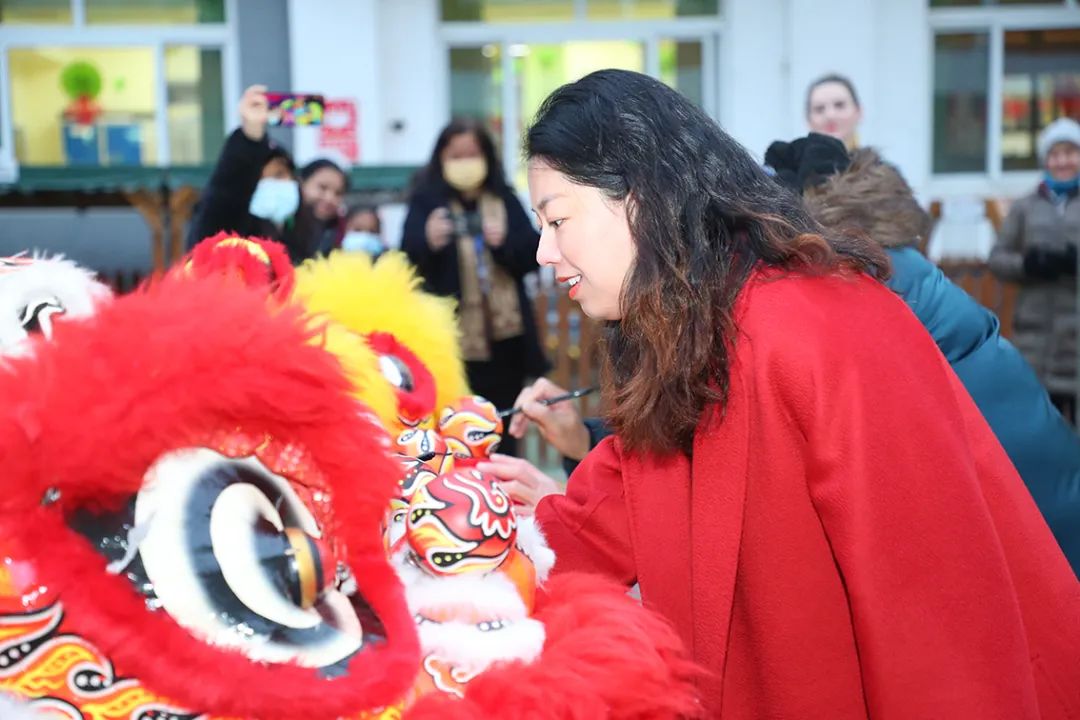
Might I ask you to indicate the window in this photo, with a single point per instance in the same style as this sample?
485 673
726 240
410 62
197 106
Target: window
507 10
1001 74
527 11
83 106
506 56
986 3
154 12
35 12
1041 83
194 104
113 12
649 9
681 67
961 74
476 86
129 83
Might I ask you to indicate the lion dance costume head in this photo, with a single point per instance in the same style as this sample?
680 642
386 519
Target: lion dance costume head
191 514
36 292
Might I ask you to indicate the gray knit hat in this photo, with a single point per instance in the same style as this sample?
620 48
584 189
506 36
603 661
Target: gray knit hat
1061 130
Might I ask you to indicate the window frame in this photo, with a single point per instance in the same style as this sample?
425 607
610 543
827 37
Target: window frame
994 22
217 36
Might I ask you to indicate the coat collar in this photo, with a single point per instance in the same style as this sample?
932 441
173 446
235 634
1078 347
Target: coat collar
696 510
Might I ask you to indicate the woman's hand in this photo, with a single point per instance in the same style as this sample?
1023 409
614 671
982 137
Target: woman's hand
254 112
439 228
560 424
523 482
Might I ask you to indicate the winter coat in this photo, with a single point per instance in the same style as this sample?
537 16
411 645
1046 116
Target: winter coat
848 540
517 255
227 195
1042 446
1044 324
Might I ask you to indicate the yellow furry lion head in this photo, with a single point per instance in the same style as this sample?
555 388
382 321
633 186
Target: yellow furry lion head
385 328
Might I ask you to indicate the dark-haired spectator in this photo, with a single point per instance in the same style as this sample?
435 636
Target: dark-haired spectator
253 189
363 231
323 184
470 238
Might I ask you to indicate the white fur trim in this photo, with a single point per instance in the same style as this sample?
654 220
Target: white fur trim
531 541
12 708
472 649
55 277
492 594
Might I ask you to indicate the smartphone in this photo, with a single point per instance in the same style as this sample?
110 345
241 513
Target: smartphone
295 109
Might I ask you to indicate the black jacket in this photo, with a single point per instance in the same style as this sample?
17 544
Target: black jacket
225 199
439 268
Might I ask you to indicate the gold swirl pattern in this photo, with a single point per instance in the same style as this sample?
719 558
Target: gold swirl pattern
64 676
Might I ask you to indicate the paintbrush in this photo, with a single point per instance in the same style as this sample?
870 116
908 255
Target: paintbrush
503 414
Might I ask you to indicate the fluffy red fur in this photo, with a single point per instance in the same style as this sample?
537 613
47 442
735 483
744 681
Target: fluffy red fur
222 254
91 411
605 656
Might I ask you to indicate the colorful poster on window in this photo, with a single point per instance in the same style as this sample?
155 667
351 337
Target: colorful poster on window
340 133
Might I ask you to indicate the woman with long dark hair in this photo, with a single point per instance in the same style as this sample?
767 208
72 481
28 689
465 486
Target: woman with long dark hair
797 480
470 238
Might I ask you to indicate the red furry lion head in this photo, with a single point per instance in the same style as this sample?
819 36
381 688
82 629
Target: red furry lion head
196 488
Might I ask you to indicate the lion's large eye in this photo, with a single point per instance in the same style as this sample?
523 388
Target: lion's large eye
37 315
230 551
397 372
412 381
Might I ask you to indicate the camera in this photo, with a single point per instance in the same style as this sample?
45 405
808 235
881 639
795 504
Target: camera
467 223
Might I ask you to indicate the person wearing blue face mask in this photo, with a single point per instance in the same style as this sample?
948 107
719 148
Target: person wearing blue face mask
254 191
1037 247
363 231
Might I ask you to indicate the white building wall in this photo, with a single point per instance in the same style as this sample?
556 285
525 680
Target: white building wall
414 79
775 48
334 50
754 73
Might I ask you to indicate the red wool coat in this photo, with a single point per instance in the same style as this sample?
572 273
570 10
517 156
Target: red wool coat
850 541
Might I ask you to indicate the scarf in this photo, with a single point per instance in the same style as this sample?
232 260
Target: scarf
490 309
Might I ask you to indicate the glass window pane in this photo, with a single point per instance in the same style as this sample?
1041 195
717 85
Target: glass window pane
1041 84
650 9
35 12
195 109
961 75
541 68
181 12
83 106
476 86
680 67
507 10
977 3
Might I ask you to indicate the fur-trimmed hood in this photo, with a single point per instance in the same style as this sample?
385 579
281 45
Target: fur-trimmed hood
871 196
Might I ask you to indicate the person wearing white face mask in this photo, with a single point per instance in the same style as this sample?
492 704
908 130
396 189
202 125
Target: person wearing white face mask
253 190
470 238
363 231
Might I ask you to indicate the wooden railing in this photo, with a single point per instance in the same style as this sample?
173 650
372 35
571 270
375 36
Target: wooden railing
570 339
975 278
